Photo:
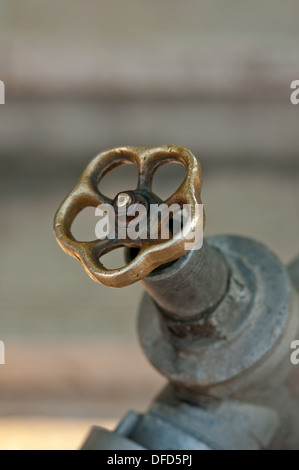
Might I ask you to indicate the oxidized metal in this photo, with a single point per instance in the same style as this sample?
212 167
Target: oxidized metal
152 253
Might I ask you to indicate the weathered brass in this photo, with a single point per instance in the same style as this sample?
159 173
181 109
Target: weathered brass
152 253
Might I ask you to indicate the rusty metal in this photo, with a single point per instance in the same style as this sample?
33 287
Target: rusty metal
152 253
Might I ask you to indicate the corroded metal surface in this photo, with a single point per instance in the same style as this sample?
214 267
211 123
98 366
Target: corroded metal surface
293 270
152 253
191 287
250 330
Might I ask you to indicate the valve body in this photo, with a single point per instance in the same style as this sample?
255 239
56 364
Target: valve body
225 350
218 321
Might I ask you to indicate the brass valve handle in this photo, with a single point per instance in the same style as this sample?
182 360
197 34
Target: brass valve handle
152 253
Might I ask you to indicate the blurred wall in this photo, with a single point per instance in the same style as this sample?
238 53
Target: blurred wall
82 76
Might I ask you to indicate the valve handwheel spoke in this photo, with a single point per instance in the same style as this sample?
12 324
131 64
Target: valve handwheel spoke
152 253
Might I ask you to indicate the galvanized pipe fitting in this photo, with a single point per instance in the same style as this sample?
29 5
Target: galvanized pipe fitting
293 269
217 322
191 286
243 338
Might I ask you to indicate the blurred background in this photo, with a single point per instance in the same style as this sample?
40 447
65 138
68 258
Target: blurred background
82 76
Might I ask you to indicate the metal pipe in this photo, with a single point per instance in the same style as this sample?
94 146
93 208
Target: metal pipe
191 286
